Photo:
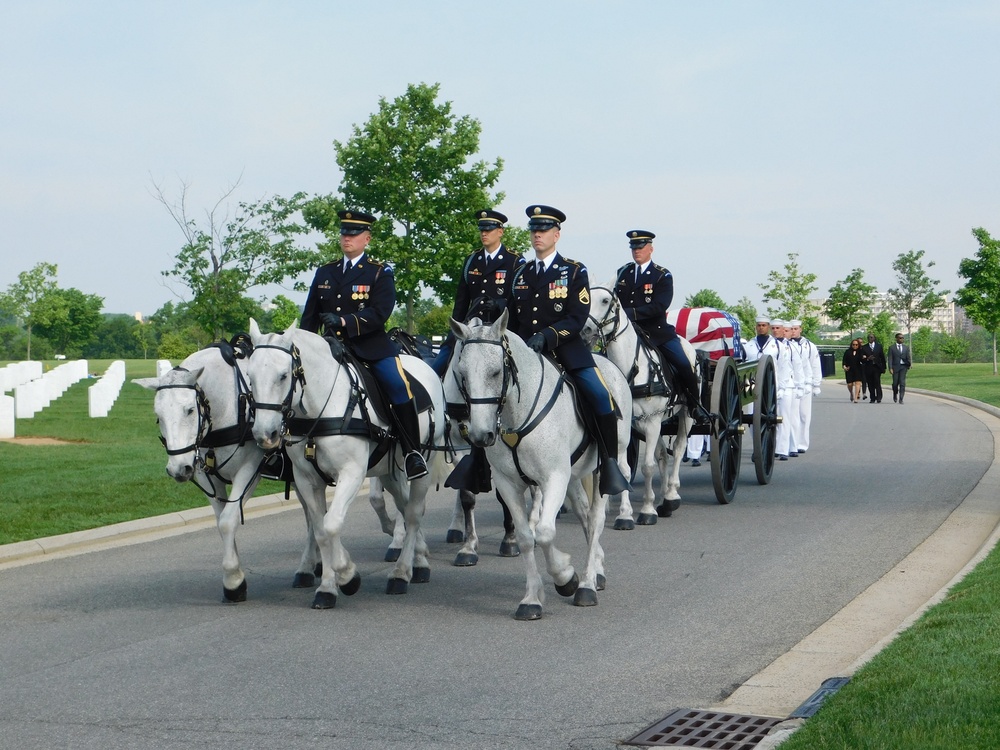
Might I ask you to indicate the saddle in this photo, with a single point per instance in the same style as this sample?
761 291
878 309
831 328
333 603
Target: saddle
412 343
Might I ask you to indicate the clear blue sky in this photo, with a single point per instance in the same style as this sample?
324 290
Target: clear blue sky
847 132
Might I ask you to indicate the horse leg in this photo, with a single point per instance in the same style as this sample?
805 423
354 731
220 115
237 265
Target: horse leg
623 521
391 521
227 521
338 569
459 518
530 607
469 553
591 509
310 565
410 503
653 443
671 485
558 562
508 545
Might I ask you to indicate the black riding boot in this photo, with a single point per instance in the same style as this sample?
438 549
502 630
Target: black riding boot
408 427
613 482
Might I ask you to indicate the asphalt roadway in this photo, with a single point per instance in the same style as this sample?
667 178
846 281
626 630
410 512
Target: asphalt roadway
119 638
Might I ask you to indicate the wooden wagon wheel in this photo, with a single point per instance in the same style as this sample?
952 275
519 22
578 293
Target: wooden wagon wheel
765 419
727 435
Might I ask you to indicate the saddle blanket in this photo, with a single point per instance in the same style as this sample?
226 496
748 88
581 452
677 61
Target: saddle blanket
715 332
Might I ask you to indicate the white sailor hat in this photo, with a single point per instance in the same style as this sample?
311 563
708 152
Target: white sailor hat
795 323
763 319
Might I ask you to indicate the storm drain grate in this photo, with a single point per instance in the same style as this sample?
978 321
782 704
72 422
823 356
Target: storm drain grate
713 729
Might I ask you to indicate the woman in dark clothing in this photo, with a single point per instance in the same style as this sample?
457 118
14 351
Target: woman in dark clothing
852 369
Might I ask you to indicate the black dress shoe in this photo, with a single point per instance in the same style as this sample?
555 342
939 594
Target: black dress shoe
782 458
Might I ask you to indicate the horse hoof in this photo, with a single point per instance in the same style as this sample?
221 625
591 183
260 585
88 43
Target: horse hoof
601 582
528 612
624 524
351 587
454 536
646 519
420 575
318 570
238 594
569 588
663 511
509 549
585 598
324 600
465 559
395 586
392 554
303 581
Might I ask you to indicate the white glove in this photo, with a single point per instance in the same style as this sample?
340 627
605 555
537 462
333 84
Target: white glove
799 392
781 393
815 390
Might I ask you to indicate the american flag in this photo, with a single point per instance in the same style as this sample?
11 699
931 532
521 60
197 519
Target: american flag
708 330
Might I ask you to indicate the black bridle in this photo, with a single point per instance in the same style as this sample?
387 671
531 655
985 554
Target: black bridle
204 417
616 310
298 376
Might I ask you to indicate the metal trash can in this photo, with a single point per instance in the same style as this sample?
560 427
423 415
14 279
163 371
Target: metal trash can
828 363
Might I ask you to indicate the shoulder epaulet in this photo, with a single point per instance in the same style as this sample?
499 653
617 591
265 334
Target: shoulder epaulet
664 271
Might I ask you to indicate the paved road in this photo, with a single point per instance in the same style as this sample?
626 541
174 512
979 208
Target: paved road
131 646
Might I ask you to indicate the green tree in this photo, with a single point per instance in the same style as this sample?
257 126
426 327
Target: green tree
69 319
921 343
746 311
230 254
285 312
410 166
980 297
916 297
850 302
953 347
706 298
145 336
24 298
115 339
789 291
882 326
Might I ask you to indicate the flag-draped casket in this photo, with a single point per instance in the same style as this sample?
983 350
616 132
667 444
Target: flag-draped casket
715 332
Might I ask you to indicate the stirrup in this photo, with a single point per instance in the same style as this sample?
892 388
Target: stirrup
415 465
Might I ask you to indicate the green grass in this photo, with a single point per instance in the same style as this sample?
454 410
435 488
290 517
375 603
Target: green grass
111 470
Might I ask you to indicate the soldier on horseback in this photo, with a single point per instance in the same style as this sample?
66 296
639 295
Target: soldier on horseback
646 291
353 298
549 305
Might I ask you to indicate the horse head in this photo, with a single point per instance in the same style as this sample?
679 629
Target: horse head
605 317
484 369
274 370
183 415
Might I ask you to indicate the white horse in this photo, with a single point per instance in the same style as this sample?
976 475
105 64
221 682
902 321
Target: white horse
201 407
316 405
616 335
522 412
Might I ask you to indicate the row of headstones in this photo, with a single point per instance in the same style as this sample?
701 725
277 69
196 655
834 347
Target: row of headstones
34 390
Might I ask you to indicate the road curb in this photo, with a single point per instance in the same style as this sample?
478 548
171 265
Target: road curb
873 619
139 530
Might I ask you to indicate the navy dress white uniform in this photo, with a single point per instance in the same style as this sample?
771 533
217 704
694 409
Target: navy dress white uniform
352 298
484 286
646 292
549 305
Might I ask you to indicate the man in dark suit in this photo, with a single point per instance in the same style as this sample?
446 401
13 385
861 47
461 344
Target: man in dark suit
645 291
485 282
353 298
899 363
548 307
872 366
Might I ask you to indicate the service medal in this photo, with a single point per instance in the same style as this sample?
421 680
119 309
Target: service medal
557 307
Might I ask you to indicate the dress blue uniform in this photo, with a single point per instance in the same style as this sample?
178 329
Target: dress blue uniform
483 287
353 301
549 309
645 297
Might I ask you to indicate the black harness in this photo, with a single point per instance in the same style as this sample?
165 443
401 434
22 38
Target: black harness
513 437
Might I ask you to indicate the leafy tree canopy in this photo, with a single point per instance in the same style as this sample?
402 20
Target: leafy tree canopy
850 301
410 165
916 297
706 298
787 294
980 297
69 319
24 298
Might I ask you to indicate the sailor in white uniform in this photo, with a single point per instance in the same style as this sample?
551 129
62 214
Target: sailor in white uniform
813 378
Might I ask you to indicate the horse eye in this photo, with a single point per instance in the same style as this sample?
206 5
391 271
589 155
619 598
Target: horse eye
190 410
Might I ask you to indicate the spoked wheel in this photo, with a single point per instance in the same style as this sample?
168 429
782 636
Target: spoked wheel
765 419
727 437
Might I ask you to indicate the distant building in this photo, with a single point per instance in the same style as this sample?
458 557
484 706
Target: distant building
137 316
948 318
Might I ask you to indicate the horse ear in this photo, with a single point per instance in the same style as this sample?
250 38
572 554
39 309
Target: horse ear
148 383
254 331
292 326
461 331
501 325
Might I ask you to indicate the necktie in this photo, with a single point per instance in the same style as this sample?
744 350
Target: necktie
638 272
539 267
347 265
